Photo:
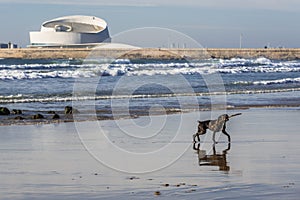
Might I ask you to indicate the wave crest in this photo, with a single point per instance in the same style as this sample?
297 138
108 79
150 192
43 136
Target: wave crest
67 98
210 66
269 82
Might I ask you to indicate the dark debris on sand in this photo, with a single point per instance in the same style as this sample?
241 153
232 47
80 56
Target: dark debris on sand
25 117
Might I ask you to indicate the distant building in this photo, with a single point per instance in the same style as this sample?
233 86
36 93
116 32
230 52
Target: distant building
3 46
71 31
8 46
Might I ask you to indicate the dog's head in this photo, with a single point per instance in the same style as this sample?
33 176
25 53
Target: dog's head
223 118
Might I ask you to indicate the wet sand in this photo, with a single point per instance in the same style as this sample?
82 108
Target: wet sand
51 162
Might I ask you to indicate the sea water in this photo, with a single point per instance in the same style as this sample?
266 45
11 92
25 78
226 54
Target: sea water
138 87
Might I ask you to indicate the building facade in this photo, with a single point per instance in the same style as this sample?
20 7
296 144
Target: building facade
8 46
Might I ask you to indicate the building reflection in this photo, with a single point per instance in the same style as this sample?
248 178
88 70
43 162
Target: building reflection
214 159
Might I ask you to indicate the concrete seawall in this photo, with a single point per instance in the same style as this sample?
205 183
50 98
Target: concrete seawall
82 53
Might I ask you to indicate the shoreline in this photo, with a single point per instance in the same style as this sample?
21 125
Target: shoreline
27 120
149 53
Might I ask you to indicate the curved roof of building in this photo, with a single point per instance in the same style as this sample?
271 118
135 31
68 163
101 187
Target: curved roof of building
75 23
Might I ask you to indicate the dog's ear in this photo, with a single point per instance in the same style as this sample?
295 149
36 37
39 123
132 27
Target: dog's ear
227 117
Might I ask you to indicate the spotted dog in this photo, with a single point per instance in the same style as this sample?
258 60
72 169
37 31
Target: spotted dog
215 126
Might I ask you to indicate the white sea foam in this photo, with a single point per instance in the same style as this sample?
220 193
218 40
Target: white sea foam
11 96
279 81
269 82
30 99
124 67
263 61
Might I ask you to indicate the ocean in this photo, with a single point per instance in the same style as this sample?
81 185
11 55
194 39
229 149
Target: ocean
147 154
122 88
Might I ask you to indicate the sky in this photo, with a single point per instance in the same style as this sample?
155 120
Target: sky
212 23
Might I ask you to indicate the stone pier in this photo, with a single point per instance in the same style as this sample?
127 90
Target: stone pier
149 53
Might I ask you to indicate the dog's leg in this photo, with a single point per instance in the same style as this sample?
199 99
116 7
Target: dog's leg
228 148
196 148
229 139
198 137
214 149
224 131
194 136
214 139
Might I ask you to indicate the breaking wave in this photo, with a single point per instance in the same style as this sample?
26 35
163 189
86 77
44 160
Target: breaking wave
19 98
269 82
210 66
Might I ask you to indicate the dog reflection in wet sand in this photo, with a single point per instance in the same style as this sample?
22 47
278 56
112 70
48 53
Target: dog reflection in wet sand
215 159
215 126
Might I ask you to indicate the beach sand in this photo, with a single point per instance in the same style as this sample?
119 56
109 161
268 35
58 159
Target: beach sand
52 162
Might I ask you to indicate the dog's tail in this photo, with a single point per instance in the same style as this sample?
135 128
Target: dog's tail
235 115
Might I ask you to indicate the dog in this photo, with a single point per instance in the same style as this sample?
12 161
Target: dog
215 126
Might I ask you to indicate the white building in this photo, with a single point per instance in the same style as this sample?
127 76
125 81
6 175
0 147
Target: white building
71 31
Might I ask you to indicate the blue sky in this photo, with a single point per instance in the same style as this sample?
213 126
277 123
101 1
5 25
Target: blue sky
213 23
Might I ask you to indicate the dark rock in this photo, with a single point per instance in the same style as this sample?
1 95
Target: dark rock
51 112
157 193
19 118
4 111
38 116
70 110
133 178
56 116
17 112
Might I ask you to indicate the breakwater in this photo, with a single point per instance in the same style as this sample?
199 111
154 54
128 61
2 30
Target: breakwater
149 53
